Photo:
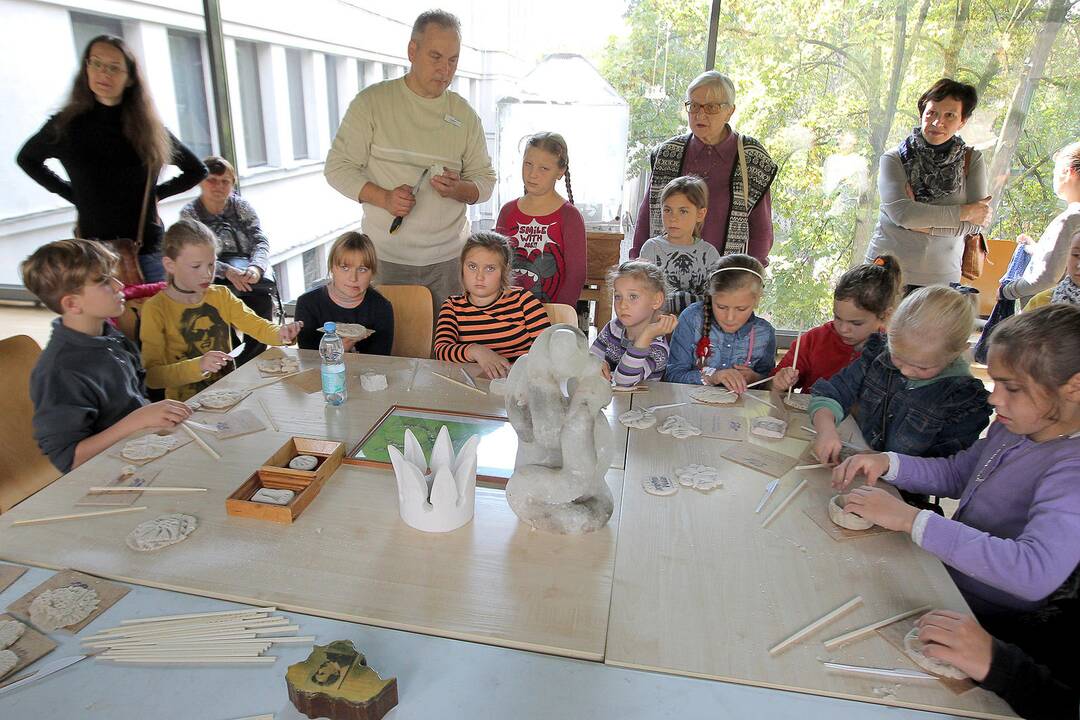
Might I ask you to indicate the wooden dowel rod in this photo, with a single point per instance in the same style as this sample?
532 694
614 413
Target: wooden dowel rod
200 442
155 629
795 362
784 503
862 632
77 516
817 625
249 615
176 653
298 640
208 645
760 400
216 628
271 381
815 466
103 489
192 661
227 636
161 618
266 412
664 407
130 630
458 383
275 631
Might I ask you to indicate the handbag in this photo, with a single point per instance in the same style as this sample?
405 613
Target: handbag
975 247
128 270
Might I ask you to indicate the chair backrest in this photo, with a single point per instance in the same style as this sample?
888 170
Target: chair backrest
23 468
560 313
413 319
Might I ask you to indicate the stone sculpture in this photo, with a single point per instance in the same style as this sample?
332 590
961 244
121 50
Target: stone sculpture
555 397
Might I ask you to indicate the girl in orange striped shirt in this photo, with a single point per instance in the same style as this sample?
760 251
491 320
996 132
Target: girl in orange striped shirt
492 323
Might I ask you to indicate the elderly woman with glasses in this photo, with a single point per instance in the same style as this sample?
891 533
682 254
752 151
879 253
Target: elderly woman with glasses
112 145
736 168
243 248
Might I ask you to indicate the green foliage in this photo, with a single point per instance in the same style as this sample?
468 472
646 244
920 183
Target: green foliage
813 85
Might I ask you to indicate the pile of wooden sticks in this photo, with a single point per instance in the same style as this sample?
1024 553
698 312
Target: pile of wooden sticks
226 637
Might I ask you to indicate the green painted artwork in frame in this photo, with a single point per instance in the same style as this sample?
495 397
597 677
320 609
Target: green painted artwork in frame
495 454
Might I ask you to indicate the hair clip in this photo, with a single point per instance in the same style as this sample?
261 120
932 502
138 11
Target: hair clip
703 348
749 270
879 261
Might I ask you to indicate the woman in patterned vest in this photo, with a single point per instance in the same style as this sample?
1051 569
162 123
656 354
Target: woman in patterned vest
736 168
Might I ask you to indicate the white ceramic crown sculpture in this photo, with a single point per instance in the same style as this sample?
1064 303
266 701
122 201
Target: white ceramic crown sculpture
447 503
555 399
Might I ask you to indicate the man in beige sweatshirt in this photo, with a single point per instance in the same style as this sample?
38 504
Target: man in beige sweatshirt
393 132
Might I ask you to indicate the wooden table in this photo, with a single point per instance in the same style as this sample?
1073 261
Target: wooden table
696 588
701 589
348 556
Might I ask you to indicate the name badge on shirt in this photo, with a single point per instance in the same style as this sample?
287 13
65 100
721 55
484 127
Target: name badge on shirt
452 120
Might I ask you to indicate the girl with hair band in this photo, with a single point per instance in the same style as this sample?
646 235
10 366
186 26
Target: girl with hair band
546 232
720 341
863 300
185 328
634 344
111 143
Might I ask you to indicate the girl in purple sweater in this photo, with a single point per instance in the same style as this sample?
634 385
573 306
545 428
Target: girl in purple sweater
1015 536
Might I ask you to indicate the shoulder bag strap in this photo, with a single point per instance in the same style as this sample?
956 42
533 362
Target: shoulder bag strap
145 207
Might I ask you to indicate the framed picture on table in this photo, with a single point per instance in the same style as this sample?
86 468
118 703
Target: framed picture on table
495 454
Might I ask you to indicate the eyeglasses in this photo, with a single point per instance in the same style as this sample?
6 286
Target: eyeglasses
709 108
110 69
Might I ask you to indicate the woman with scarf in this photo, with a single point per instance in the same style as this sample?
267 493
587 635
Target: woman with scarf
933 190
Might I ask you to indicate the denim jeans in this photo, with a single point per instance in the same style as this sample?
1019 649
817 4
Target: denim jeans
150 264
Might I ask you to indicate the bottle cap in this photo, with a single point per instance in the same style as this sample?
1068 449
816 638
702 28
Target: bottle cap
329 327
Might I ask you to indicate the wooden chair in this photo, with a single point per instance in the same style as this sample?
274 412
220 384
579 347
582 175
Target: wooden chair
23 468
413 319
560 313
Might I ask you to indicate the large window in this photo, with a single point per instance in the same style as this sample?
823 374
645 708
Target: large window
251 112
294 63
185 50
85 27
828 88
333 109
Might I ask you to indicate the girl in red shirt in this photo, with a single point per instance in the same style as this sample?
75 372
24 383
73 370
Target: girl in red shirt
862 303
547 233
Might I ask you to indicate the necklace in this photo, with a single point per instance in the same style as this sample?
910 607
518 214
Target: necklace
342 300
173 285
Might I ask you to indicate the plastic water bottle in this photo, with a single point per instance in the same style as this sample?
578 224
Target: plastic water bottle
333 365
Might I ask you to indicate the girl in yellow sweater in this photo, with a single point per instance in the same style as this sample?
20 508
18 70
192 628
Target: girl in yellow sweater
185 328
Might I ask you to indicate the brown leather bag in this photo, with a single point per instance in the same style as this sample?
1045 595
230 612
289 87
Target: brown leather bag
128 270
975 247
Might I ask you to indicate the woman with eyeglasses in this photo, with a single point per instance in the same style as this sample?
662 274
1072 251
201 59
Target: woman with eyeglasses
933 190
113 145
243 248
736 168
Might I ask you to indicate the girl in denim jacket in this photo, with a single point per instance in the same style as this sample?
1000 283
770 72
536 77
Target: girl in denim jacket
914 393
720 341
1015 536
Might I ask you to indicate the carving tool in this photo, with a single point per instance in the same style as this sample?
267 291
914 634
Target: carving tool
76 516
899 673
795 362
199 441
44 671
469 378
784 503
664 407
769 490
416 188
